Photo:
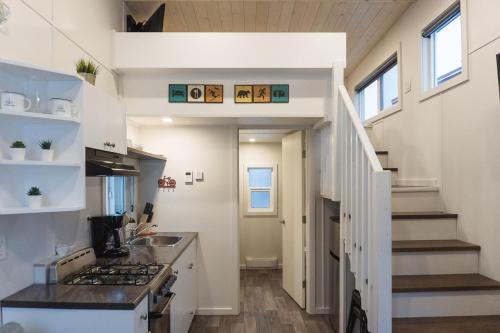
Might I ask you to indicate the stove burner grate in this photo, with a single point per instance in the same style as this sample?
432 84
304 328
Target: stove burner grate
123 274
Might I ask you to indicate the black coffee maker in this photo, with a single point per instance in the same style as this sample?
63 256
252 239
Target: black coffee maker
106 233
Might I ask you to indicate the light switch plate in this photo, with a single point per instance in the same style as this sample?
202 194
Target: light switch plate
188 177
199 176
3 248
407 87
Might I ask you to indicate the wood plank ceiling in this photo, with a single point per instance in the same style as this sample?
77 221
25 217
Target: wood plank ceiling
365 21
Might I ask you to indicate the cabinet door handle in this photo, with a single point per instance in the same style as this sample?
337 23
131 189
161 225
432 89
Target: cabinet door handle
191 265
113 145
144 316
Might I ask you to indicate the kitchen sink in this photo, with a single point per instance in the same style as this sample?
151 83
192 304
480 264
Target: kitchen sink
156 241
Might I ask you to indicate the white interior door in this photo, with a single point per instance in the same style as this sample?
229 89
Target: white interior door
292 229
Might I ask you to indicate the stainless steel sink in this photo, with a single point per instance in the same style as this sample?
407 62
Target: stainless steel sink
156 241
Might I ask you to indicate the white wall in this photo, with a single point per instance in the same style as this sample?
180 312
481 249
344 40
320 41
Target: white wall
54 33
146 94
260 236
452 137
208 207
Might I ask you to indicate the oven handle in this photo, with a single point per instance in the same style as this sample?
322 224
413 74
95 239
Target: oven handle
158 315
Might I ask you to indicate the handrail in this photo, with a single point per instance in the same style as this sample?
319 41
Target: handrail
360 129
365 194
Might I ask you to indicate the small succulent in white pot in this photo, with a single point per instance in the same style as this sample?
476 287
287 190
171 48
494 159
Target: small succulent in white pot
18 151
34 197
47 151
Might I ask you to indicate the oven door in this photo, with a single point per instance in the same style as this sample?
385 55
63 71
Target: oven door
159 322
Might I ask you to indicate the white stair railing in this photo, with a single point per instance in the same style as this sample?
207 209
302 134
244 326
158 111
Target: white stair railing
365 216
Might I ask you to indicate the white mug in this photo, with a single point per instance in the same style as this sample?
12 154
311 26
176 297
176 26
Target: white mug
10 101
61 107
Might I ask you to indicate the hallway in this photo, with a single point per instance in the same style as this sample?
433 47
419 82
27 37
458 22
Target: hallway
265 307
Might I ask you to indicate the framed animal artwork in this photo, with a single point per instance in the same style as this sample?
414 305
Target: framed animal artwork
243 94
177 93
214 93
262 93
196 93
280 93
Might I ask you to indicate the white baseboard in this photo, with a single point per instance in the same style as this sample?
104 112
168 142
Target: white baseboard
322 310
243 266
216 312
417 182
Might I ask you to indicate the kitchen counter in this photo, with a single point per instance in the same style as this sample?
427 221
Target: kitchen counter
156 254
61 296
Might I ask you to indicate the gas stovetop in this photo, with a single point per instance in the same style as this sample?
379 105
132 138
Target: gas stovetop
122 274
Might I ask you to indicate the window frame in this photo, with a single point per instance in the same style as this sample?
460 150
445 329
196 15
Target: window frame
273 196
429 88
377 74
129 195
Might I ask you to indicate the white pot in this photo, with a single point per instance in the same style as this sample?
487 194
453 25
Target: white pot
18 154
47 155
34 201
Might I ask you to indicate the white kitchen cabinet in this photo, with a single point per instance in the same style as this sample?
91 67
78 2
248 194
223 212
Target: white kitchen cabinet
185 303
78 320
105 121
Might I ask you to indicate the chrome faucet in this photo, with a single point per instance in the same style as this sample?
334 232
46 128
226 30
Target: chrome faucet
139 230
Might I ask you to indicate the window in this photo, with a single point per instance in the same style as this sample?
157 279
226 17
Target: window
261 190
380 90
442 48
120 194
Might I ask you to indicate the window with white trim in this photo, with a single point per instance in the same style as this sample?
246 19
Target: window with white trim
380 90
442 48
261 194
119 195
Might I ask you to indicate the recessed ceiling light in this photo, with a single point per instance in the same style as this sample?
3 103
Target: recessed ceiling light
167 120
251 140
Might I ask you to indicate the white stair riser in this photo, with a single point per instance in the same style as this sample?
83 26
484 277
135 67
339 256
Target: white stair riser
428 263
443 304
416 202
435 229
384 160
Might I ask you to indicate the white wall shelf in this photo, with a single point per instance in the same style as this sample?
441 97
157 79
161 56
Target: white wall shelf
36 115
46 209
41 163
62 181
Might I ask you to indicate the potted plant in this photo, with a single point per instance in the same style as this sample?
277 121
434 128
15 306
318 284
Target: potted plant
34 197
18 151
47 151
88 70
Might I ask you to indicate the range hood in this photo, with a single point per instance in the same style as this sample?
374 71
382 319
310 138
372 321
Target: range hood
102 164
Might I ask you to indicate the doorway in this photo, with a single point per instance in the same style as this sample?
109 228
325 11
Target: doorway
272 205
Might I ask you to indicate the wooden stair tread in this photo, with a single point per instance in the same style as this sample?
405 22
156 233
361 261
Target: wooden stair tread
433 246
382 152
443 282
473 324
422 215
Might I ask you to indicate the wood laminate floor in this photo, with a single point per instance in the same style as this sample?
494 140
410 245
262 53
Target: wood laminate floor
265 308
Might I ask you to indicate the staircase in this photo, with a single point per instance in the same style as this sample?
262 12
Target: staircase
436 284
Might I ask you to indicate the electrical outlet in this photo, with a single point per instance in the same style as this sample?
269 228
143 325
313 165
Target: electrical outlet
3 248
